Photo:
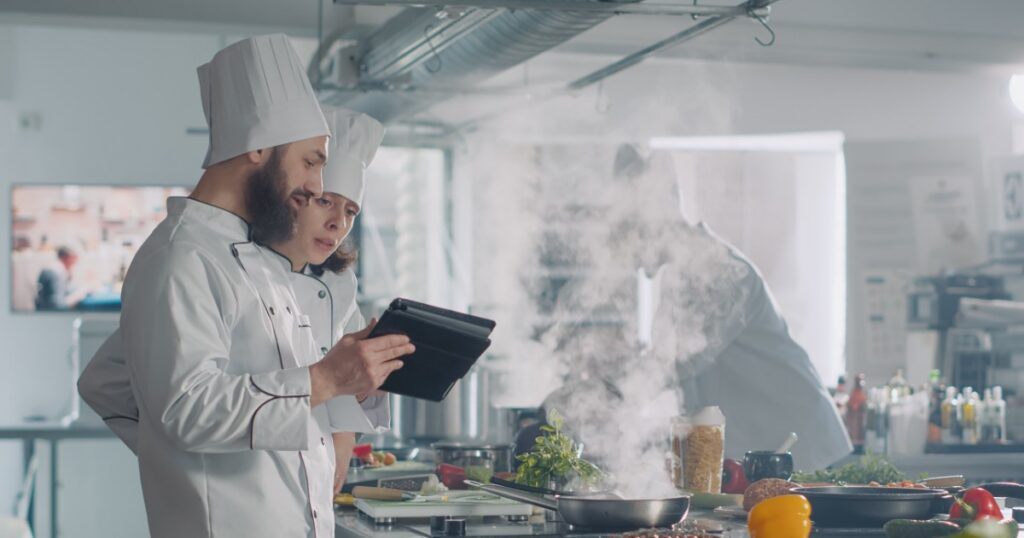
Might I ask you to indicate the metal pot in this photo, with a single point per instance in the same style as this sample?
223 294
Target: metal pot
467 414
497 457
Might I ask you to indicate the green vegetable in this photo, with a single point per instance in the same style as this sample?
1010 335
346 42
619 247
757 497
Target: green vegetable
480 473
870 468
990 528
555 459
909 528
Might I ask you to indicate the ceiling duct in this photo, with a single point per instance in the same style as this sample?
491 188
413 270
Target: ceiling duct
422 55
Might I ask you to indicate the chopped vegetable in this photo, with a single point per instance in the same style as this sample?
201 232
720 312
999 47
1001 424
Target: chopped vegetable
788 516
432 486
976 503
480 473
555 459
870 468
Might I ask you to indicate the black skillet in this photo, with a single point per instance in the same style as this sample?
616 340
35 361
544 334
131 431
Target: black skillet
871 507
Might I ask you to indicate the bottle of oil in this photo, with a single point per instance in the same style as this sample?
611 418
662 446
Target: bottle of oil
948 407
936 390
856 411
998 415
985 419
969 414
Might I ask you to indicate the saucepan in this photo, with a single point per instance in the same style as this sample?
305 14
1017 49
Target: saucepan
600 512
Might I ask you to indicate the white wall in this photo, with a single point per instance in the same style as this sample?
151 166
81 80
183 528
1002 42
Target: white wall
114 107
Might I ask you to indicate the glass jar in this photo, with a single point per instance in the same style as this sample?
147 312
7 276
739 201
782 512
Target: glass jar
703 452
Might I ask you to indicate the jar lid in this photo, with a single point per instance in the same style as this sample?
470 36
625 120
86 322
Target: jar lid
709 416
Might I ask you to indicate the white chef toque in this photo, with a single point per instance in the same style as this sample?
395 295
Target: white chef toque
355 138
256 95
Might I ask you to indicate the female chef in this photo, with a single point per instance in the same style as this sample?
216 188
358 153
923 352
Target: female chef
322 278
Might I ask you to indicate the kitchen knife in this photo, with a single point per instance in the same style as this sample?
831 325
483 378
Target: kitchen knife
940 482
382 494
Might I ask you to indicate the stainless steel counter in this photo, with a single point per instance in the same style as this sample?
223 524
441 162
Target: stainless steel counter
350 524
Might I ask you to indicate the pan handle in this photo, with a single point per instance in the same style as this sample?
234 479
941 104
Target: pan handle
515 495
1005 489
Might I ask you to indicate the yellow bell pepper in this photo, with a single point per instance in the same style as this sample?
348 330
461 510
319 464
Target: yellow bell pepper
788 516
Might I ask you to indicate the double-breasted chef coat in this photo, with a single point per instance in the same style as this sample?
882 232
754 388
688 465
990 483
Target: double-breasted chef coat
217 350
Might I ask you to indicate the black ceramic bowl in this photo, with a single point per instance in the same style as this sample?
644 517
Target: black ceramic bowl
758 465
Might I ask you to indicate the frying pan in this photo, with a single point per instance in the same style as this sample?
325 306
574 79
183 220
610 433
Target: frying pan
601 513
864 506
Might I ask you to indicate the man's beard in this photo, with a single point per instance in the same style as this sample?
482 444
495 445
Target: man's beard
273 219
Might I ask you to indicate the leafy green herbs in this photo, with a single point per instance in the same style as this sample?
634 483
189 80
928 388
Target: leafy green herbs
870 468
555 459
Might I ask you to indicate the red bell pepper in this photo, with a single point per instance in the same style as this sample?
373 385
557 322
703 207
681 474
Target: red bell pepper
364 452
733 478
976 503
452 476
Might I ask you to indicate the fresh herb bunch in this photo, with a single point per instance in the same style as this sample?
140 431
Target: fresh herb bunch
870 468
554 459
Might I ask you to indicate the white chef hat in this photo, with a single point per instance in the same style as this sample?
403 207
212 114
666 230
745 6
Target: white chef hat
355 138
256 95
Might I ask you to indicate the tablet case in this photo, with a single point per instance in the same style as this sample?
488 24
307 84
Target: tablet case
448 343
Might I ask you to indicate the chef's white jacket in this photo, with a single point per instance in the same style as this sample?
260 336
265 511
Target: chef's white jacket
217 351
329 300
761 378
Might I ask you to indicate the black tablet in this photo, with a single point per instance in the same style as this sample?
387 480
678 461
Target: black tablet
448 343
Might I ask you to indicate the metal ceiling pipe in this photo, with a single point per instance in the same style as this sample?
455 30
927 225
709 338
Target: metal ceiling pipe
571 5
424 48
747 9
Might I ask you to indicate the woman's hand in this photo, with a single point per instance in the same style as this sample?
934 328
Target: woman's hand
343 443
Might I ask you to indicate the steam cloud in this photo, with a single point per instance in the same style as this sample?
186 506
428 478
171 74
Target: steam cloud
563 246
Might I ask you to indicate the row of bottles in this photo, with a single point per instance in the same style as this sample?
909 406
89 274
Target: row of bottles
865 411
954 418
969 418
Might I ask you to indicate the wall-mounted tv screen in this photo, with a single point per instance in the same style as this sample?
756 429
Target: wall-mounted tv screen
71 244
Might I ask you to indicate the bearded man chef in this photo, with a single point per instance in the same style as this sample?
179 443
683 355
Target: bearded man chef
326 294
218 353
732 346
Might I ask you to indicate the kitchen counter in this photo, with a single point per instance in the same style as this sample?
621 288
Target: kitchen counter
351 524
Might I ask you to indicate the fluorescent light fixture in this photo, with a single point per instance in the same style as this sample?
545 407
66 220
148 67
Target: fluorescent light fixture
1017 91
